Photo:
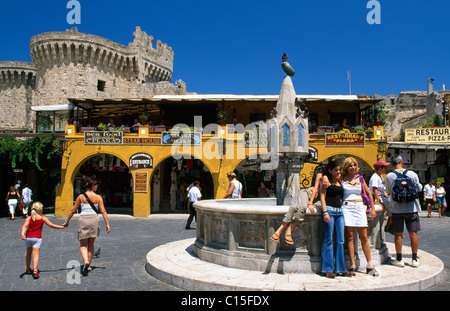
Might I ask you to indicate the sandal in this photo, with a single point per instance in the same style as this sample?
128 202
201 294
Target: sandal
36 275
290 241
372 271
86 269
275 237
351 271
28 271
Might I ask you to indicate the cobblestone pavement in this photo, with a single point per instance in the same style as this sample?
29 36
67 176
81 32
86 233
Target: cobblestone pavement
121 264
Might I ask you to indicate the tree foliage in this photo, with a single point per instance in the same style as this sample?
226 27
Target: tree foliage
31 149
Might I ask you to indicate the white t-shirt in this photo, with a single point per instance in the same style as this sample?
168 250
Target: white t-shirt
399 208
377 182
429 190
194 194
440 193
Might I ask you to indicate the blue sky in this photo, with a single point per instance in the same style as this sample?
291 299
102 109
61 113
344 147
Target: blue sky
235 46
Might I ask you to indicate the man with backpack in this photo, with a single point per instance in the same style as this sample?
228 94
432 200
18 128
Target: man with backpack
404 187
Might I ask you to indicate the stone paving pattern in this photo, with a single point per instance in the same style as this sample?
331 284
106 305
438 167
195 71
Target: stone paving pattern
121 265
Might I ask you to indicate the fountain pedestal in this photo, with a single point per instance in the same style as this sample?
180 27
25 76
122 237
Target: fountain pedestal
236 234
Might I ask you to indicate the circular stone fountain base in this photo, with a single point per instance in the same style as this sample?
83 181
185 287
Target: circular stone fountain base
236 234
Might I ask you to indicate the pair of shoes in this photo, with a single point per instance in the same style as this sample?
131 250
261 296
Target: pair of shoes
36 274
275 238
86 269
415 263
372 271
288 241
398 263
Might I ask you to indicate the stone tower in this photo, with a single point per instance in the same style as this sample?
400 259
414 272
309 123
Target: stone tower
71 64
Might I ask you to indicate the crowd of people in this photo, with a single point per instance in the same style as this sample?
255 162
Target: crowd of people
340 189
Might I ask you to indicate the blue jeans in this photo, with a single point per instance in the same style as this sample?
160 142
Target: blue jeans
336 224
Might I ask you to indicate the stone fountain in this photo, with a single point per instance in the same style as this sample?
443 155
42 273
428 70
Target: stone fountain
236 233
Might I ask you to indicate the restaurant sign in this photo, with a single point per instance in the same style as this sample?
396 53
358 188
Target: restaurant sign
255 139
103 138
181 138
141 160
428 135
344 140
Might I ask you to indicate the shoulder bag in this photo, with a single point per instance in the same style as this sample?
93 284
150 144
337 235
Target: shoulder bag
90 202
364 195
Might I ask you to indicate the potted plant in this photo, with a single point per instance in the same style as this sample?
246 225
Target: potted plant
382 114
369 132
222 117
102 126
144 117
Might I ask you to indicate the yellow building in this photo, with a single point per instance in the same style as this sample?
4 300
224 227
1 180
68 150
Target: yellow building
142 162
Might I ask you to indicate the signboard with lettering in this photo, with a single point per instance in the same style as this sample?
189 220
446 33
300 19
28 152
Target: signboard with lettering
140 181
142 140
428 135
103 138
181 138
141 160
344 140
255 139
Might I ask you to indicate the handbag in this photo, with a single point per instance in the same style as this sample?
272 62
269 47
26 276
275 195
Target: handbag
90 203
364 195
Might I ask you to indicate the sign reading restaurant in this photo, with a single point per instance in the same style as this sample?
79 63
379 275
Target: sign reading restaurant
344 140
428 135
181 138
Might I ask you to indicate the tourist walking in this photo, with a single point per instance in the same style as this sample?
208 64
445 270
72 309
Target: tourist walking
194 195
440 199
355 213
32 235
26 200
429 196
12 198
333 221
88 224
404 213
234 187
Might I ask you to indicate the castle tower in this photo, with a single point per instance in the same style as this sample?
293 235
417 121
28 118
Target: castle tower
17 82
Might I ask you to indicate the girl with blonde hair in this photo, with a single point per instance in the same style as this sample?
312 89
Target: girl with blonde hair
32 235
355 213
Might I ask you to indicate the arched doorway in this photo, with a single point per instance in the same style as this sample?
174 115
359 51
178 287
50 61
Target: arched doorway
170 179
115 182
251 180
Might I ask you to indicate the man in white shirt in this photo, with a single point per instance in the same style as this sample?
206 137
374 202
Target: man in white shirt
26 199
194 196
404 214
429 196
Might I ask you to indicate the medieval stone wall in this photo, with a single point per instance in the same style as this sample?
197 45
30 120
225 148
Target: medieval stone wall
76 65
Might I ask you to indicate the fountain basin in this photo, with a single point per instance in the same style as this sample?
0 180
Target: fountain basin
236 233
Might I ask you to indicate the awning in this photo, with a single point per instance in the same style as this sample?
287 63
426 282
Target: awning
51 108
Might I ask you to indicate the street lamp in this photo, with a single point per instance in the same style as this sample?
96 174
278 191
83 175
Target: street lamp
382 147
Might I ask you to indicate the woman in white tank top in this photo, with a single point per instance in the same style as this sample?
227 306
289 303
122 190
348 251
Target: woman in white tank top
234 188
355 214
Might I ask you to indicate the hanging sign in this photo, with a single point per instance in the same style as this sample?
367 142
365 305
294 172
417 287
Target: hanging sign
141 160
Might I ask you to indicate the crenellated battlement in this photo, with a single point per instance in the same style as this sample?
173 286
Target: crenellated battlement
17 73
137 61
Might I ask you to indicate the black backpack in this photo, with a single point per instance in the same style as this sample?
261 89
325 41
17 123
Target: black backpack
404 190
